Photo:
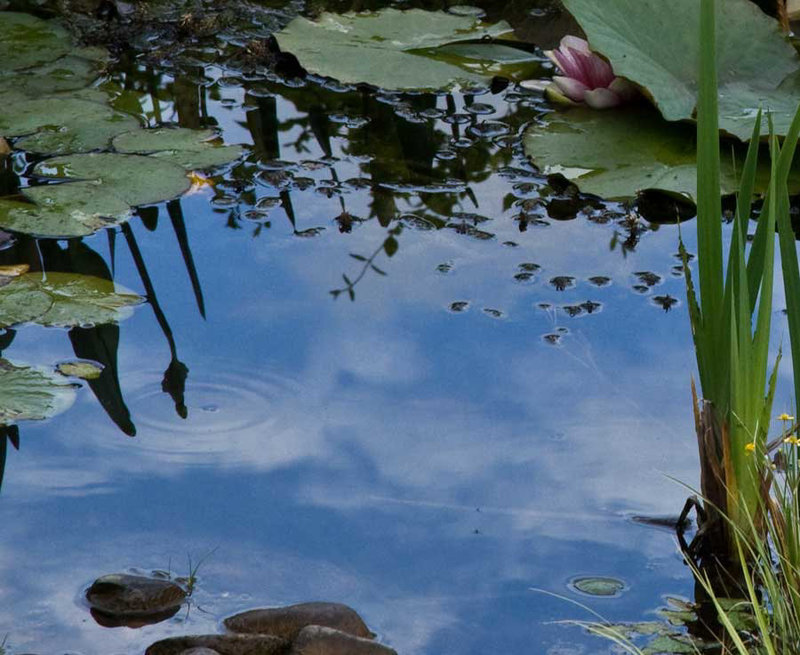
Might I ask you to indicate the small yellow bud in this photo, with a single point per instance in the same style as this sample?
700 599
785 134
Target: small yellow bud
750 447
785 417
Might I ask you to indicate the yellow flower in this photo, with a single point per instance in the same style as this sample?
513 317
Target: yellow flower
750 447
785 417
792 440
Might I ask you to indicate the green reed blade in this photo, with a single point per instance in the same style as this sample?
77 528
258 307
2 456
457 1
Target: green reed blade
789 264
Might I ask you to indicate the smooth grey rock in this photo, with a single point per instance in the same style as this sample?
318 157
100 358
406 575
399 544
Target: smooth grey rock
200 651
319 640
221 645
287 622
120 594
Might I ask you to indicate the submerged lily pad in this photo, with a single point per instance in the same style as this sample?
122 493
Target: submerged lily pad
28 393
27 41
391 48
656 44
107 186
617 154
191 149
64 300
598 586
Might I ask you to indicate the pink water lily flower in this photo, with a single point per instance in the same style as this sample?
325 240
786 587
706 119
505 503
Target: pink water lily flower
587 77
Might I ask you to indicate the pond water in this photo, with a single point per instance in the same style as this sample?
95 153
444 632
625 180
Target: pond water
474 431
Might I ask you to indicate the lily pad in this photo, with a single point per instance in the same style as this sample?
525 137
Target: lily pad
64 300
598 586
68 73
83 369
28 393
107 186
756 64
191 149
617 154
69 124
391 48
27 41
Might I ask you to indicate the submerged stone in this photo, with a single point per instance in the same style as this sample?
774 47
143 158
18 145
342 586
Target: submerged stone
121 596
221 645
288 621
320 640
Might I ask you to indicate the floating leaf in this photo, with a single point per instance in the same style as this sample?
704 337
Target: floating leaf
756 64
617 154
191 149
28 393
598 586
670 644
27 41
391 48
64 300
84 369
70 124
69 73
108 186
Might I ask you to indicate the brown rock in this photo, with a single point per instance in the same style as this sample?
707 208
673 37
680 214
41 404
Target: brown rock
287 622
221 645
200 651
122 595
319 640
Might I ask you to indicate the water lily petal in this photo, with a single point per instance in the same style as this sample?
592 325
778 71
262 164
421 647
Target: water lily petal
601 98
576 43
597 72
567 61
570 87
623 88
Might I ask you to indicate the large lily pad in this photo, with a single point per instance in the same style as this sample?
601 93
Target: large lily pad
656 44
107 186
64 300
391 48
27 41
28 393
68 73
191 149
617 154
67 124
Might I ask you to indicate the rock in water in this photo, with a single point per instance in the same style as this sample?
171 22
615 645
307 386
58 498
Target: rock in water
133 600
220 645
287 622
319 640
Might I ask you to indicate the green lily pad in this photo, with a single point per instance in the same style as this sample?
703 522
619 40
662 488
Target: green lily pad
68 73
670 644
65 124
83 369
64 211
755 62
598 586
108 185
616 154
64 300
191 149
391 48
80 135
27 41
28 393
